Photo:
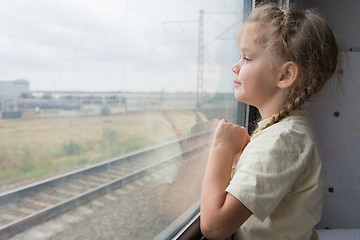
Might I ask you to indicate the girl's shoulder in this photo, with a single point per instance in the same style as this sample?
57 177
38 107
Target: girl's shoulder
298 120
296 130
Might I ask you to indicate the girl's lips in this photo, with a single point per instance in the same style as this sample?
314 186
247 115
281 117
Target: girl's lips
237 83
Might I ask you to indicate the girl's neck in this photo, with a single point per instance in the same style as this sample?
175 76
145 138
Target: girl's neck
273 105
268 111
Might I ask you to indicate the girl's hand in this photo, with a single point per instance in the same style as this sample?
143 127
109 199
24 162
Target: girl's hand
231 136
222 213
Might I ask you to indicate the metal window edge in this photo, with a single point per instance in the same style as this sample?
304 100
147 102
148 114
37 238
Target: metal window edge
177 228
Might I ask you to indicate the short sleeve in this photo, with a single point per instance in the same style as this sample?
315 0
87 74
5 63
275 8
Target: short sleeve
266 171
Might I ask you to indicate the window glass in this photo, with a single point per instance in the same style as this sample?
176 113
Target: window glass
107 111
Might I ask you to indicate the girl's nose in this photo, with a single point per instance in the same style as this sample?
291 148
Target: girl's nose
236 68
233 69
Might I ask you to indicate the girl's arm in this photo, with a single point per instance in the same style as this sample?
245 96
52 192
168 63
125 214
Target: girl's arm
221 213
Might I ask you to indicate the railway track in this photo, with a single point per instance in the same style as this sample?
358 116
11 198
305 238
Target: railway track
31 205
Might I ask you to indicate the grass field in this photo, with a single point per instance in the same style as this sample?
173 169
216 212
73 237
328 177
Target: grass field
32 149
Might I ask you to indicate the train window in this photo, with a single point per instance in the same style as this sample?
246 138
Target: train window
107 112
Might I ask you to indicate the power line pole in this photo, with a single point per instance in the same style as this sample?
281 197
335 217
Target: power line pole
201 46
200 72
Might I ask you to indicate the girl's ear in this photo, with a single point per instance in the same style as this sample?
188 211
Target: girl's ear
289 72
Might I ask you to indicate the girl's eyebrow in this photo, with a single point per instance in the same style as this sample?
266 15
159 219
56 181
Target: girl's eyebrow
248 50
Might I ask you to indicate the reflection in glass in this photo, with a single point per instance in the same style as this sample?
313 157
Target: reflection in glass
83 83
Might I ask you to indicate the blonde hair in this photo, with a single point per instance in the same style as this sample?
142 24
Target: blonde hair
300 36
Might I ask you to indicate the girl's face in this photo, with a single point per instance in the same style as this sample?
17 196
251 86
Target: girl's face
255 81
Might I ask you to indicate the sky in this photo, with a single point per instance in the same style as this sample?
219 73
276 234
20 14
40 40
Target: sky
118 45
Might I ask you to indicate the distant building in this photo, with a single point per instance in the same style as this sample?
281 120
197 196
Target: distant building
14 89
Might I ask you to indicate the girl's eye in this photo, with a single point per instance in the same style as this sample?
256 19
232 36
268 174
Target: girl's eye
247 59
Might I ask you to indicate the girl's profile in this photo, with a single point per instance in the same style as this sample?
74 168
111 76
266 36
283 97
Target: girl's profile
276 190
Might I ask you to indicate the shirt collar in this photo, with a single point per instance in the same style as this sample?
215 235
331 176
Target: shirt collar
263 122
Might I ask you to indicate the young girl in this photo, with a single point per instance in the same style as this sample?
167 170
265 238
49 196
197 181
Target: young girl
276 191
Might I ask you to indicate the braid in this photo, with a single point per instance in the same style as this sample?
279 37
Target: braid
282 26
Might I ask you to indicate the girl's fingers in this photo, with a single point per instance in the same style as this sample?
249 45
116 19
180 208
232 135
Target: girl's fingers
223 121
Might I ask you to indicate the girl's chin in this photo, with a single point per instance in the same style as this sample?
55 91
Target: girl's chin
240 98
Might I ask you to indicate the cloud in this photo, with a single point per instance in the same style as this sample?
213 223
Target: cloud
108 44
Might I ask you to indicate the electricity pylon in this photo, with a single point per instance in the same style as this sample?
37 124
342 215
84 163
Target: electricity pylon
201 46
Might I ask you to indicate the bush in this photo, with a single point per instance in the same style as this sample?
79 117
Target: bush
71 148
105 111
109 134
